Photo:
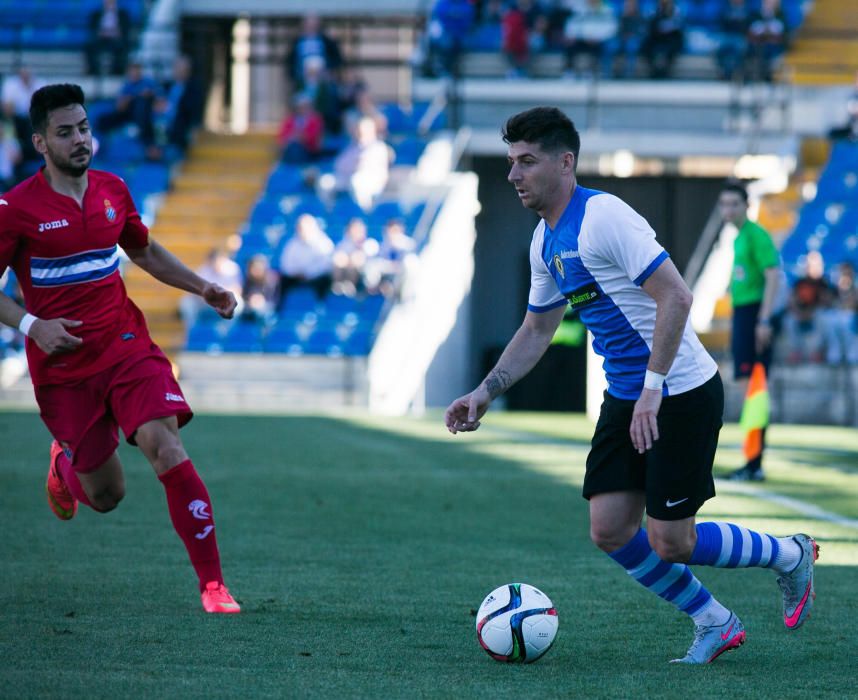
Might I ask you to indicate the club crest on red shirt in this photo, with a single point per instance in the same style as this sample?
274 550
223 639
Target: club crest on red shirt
109 211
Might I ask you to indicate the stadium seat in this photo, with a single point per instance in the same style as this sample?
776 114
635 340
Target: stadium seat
384 211
398 122
337 305
359 343
285 179
243 336
409 150
345 206
283 338
324 342
206 336
298 301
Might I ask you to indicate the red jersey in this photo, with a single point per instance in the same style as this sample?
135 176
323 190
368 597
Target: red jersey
66 258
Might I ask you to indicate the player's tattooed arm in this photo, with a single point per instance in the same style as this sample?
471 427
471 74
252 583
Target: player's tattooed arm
498 381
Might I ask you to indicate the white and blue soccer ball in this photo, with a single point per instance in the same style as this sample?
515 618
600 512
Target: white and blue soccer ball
516 622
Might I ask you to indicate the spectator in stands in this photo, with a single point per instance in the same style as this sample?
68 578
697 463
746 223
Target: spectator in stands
260 291
449 25
220 269
301 132
364 106
181 109
10 155
626 45
841 320
754 288
350 84
135 104
312 44
804 324
362 168
324 92
767 37
351 257
18 89
589 31
307 259
517 22
733 47
395 254
110 33
664 39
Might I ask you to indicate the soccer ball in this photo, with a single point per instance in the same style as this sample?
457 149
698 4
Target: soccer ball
516 622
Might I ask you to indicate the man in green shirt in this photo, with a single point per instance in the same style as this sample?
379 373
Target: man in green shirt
754 287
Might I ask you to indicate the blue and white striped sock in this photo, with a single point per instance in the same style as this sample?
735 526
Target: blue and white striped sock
673 582
725 545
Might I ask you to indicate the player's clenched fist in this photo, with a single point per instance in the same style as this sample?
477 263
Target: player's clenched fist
221 300
52 337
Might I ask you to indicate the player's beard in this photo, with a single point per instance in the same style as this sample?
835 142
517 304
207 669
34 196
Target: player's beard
67 167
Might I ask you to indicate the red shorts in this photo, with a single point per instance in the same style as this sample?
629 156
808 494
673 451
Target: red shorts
84 416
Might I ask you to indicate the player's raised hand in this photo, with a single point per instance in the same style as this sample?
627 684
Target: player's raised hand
644 427
463 415
52 337
221 300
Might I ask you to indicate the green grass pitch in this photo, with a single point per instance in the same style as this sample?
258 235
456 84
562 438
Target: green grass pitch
360 549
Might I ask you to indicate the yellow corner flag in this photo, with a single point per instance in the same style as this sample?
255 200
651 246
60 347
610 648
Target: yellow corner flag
755 412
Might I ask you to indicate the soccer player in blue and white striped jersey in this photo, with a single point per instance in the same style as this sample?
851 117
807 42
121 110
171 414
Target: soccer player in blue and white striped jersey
654 444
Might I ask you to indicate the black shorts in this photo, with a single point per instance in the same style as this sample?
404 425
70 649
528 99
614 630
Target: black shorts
743 341
676 474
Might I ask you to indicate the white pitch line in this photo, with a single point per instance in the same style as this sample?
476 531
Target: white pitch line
794 504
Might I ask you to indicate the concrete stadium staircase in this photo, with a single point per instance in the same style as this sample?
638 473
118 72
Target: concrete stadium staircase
825 51
209 199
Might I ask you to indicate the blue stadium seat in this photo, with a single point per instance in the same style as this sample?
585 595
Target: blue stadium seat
338 305
409 150
206 336
283 338
438 122
359 343
243 336
398 121
285 179
345 207
54 24
384 211
299 301
295 205
266 211
147 178
844 156
485 37
324 342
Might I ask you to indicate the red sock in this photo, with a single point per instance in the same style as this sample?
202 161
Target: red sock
190 511
70 479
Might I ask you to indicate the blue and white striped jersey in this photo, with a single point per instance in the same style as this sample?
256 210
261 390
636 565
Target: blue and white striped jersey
596 260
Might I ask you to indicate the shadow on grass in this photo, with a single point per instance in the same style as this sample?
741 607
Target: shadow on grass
359 556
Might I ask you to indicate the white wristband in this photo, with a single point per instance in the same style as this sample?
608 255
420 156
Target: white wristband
26 323
654 380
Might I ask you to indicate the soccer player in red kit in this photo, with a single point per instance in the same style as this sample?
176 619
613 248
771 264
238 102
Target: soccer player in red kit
93 365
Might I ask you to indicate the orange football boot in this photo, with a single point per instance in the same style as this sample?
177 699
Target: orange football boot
60 499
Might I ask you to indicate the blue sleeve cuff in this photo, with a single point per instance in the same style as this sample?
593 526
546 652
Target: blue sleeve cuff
643 276
543 309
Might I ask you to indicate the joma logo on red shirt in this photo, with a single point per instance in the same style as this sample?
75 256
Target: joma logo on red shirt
59 223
